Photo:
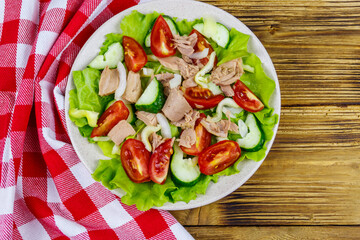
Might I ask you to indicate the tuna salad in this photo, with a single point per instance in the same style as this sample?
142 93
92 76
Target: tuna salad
174 104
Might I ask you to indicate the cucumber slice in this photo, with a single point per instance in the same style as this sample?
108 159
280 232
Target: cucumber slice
148 40
217 32
184 172
153 98
174 30
200 28
111 58
255 139
132 117
171 24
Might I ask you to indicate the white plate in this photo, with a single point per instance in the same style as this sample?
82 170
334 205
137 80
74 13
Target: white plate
90 154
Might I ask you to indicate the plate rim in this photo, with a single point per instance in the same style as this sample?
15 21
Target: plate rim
276 94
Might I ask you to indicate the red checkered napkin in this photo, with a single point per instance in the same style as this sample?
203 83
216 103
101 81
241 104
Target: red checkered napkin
45 191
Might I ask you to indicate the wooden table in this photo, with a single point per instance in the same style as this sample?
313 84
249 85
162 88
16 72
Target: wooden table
309 185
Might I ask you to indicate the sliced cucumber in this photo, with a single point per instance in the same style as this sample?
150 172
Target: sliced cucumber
172 26
217 32
222 36
153 98
111 58
184 172
132 117
148 39
255 139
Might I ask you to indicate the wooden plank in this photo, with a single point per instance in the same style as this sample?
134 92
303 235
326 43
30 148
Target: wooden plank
274 233
315 46
311 176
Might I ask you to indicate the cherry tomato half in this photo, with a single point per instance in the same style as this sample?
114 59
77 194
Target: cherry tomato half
161 39
218 157
159 162
135 160
200 45
202 98
246 99
114 114
135 56
203 139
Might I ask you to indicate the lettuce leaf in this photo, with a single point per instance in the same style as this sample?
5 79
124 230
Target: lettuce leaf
185 27
237 47
137 25
144 195
258 82
85 97
187 194
110 39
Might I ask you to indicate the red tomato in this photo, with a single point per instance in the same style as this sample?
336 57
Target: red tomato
159 162
161 39
200 45
203 139
218 157
135 159
135 56
114 114
202 98
246 99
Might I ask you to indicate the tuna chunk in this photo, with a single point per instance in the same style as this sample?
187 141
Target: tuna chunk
147 118
170 62
189 83
133 87
121 130
227 73
164 78
109 81
156 140
187 59
233 128
187 138
176 106
219 129
185 44
228 91
189 120
187 70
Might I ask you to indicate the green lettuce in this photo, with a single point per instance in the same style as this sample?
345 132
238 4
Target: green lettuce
184 26
237 47
110 39
258 82
85 97
137 25
144 195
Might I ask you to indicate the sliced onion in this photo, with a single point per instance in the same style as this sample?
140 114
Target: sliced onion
165 127
176 81
243 129
122 83
200 55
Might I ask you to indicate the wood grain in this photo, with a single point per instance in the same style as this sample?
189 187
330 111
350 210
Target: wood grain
275 233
